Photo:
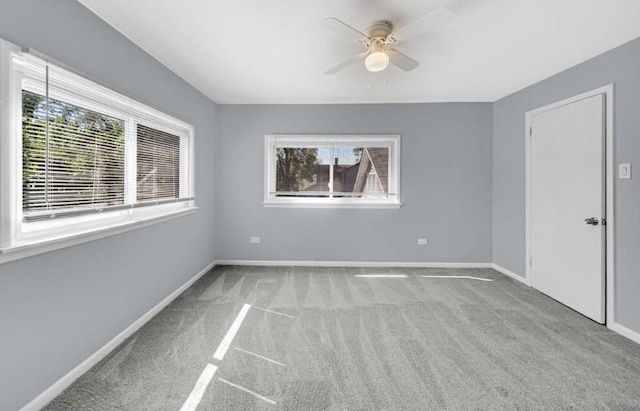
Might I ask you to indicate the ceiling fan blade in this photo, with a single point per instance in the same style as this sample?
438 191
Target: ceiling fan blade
425 23
345 64
401 60
344 29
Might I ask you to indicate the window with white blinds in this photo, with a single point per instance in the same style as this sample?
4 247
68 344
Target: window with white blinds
80 157
72 157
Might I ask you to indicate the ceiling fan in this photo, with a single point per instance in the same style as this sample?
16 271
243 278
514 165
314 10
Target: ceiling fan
381 36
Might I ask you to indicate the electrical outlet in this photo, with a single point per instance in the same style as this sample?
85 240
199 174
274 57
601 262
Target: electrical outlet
625 171
422 241
254 240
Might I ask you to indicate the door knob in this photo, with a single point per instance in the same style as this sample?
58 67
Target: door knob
591 221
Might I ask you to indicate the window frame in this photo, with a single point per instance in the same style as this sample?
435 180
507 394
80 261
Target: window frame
273 141
21 238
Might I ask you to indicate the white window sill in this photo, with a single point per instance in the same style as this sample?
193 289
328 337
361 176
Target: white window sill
362 205
19 251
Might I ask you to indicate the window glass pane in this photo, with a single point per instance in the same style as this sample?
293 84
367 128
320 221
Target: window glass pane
158 164
346 162
302 172
363 171
79 165
341 170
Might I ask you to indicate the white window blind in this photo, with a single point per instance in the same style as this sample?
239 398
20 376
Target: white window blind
158 164
73 157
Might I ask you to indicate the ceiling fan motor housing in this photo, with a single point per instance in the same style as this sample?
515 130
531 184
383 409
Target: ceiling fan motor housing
380 29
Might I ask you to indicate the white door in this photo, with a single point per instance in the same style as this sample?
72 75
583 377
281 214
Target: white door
567 205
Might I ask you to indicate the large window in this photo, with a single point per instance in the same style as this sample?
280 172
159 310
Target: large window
332 171
79 158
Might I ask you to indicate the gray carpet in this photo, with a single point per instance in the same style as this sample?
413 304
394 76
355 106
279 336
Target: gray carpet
365 344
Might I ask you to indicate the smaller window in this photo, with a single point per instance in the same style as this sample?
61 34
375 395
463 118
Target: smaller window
332 171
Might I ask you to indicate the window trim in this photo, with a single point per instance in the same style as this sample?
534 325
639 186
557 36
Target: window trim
18 238
272 141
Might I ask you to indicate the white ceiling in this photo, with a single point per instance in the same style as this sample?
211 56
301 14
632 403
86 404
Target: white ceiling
276 51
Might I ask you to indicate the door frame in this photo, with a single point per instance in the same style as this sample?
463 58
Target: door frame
609 179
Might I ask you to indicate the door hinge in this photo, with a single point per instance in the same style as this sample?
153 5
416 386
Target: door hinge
530 261
530 131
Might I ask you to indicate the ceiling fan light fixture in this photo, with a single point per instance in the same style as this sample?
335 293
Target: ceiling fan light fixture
376 61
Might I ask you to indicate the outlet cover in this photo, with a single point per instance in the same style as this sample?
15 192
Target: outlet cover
422 241
624 171
254 240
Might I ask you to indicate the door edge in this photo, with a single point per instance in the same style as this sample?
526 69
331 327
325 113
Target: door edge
609 179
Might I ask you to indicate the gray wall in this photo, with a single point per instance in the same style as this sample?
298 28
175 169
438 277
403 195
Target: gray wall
445 186
462 185
620 66
57 309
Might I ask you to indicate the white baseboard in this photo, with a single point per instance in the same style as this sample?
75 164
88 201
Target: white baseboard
511 274
293 263
622 330
52 392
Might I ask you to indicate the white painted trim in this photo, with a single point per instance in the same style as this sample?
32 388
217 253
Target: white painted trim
354 204
610 204
54 390
608 91
626 332
509 273
294 263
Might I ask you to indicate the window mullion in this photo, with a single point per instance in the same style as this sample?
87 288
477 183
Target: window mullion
130 162
46 137
183 167
331 161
